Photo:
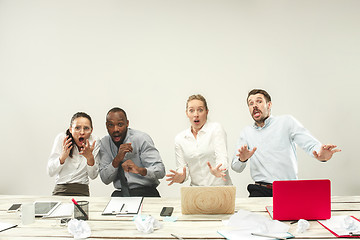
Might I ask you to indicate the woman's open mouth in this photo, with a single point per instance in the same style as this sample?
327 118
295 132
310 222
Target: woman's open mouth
81 140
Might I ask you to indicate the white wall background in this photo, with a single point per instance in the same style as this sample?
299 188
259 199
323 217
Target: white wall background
60 57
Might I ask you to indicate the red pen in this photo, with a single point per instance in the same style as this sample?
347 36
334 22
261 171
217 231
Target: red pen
81 210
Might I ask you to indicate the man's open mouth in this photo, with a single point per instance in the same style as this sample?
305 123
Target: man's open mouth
256 113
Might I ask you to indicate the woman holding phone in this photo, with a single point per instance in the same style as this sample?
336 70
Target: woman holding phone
74 157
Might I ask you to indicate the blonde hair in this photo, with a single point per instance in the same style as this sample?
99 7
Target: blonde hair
197 97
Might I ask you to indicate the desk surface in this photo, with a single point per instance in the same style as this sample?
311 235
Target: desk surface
186 226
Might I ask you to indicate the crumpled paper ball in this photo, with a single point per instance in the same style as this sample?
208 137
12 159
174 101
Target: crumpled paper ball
146 224
79 229
350 224
302 226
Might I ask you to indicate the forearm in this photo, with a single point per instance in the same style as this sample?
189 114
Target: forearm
108 174
155 172
237 165
53 166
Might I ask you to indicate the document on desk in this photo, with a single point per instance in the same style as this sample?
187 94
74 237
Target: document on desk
6 226
123 206
342 226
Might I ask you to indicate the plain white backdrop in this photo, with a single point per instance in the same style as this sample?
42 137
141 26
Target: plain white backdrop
60 57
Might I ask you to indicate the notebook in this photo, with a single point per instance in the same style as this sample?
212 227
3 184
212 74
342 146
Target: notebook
301 199
208 200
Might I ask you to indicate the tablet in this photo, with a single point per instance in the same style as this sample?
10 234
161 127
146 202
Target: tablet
45 208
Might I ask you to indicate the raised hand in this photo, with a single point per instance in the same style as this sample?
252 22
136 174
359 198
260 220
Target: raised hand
326 152
87 150
67 146
217 171
123 149
245 153
176 177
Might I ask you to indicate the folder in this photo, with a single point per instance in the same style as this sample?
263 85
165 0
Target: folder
123 206
336 227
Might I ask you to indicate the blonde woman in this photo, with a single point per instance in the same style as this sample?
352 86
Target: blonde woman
201 150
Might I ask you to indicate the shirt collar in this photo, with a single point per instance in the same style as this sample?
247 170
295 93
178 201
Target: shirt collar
267 122
202 130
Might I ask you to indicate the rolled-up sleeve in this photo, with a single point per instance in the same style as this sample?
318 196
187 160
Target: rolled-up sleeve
151 160
107 171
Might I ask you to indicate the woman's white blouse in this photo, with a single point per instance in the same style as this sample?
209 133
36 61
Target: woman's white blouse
194 153
75 169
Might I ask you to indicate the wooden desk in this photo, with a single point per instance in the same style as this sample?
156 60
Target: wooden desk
186 226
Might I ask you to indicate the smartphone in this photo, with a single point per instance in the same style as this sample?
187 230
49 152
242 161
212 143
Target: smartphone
166 211
15 207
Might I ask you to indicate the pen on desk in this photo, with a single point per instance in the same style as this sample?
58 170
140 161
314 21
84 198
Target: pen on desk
122 207
354 233
80 209
180 238
268 236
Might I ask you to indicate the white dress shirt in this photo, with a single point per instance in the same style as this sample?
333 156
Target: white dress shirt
75 169
275 157
210 145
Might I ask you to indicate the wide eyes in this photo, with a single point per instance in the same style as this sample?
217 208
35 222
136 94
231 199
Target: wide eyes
85 129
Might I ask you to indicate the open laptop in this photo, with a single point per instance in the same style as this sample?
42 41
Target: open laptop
301 199
208 200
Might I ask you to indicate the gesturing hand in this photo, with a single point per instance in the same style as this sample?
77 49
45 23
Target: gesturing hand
176 177
217 171
86 149
123 149
130 166
245 153
66 147
326 152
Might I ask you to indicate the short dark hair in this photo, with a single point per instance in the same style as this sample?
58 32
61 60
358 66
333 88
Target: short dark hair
261 91
116 109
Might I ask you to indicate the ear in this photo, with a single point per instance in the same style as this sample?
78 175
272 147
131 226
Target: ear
127 123
269 105
70 130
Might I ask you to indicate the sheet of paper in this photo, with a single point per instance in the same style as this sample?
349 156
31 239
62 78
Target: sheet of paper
5 226
340 225
243 223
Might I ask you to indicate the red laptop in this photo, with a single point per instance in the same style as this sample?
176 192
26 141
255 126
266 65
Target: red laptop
301 199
